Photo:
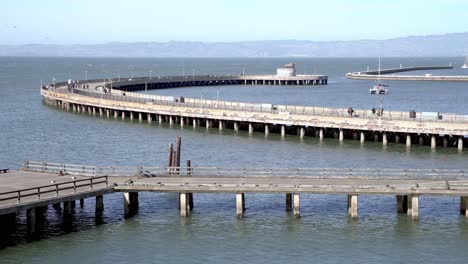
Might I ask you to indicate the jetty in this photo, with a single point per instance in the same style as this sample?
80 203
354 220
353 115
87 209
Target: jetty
384 74
38 185
116 98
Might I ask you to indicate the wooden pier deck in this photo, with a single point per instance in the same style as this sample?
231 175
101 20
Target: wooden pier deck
31 188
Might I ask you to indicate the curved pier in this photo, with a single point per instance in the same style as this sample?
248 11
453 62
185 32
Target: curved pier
374 75
103 99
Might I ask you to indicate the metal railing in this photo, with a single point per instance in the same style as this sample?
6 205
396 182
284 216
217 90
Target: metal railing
148 171
57 189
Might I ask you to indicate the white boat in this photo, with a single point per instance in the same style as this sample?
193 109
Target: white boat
379 89
465 66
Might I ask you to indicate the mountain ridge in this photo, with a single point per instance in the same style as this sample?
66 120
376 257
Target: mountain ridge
453 44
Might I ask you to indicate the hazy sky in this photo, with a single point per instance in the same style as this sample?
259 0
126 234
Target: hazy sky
100 21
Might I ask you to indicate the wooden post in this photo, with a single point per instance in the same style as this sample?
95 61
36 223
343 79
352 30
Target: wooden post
171 154
190 195
463 205
178 149
31 220
288 202
99 206
402 204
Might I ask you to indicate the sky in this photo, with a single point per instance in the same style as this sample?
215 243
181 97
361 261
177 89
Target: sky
103 21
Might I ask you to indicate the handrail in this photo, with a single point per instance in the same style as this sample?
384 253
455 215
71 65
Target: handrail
149 171
39 190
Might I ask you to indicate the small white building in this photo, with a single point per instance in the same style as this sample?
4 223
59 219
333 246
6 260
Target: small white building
287 71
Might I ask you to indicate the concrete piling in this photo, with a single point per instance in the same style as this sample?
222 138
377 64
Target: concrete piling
82 202
353 205
123 115
413 206
236 127
171 120
433 142
321 134
184 209
384 139
362 138
297 205
341 136
283 131
267 130
131 203
408 141
149 118
460 143
240 205
302 132
194 123
220 125
250 129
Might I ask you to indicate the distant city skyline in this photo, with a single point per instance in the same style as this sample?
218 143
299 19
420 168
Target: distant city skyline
94 22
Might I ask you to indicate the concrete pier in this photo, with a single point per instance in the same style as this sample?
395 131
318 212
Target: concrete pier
267 130
408 141
362 137
460 143
250 129
353 205
236 127
433 142
384 139
321 134
297 205
283 131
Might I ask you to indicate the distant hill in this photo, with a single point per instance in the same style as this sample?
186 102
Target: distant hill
433 45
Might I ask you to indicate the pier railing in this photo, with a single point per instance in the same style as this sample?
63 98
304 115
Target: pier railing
148 171
146 100
55 190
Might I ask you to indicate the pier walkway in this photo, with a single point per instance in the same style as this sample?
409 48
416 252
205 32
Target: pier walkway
30 189
112 99
374 75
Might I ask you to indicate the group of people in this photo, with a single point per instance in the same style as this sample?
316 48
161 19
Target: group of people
378 112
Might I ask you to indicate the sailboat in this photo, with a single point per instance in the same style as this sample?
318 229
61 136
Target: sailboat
465 66
379 88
